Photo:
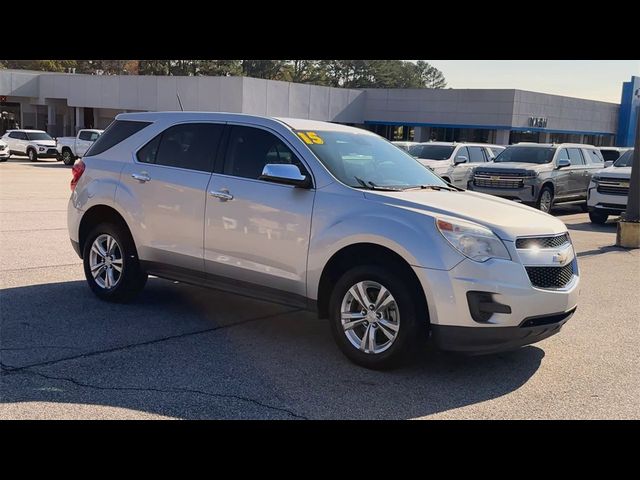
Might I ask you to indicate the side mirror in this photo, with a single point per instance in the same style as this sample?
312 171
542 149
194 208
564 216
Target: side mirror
563 162
286 174
608 163
460 159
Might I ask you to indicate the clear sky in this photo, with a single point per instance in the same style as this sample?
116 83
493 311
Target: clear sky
592 79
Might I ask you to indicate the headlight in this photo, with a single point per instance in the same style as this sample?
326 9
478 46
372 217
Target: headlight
595 178
41 149
472 240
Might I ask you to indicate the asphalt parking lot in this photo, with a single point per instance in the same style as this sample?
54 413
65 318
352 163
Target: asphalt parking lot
187 352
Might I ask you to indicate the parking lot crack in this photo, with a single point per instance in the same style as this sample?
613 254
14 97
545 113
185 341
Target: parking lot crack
7 368
30 371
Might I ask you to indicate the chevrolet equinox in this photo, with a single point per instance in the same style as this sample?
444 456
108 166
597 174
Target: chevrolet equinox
324 216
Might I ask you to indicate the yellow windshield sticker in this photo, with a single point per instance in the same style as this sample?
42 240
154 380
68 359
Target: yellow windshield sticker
310 138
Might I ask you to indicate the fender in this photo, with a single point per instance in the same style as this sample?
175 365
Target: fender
405 232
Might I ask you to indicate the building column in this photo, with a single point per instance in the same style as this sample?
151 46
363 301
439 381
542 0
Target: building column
79 122
51 120
545 137
421 134
96 117
502 137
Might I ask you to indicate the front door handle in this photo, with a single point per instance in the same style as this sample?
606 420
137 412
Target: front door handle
141 177
223 195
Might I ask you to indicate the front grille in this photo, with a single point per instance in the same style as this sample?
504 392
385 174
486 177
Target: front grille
550 277
611 189
498 181
52 151
542 242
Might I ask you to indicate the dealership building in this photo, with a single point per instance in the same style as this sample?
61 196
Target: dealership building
62 103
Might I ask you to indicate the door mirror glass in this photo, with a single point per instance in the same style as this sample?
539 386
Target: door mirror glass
563 162
286 174
460 159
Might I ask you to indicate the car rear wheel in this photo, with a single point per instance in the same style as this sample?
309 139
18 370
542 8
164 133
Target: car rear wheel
67 157
598 217
33 156
111 264
374 317
545 200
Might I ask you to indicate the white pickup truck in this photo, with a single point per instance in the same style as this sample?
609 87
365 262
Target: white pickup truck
70 148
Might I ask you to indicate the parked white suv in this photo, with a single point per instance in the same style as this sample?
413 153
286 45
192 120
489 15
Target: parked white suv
453 161
31 143
609 189
4 151
322 216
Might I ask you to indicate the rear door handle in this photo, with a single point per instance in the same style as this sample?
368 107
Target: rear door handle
223 195
141 177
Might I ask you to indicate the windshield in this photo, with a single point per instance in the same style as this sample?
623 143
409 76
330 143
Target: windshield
431 152
526 155
38 136
625 160
367 161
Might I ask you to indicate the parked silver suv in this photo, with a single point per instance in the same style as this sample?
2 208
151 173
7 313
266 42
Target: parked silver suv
324 216
540 174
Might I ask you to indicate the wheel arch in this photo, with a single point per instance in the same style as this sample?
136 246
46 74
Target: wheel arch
96 215
363 254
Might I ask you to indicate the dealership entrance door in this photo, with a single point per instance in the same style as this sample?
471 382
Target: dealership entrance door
9 116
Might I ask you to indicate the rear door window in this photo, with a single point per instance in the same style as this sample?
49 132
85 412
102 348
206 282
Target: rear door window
575 156
115 133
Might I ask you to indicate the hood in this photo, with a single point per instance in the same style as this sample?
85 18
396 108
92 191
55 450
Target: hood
505 218
435 163
514 167
44 143
615 172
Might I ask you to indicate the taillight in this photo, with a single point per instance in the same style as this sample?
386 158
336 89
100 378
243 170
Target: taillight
76 171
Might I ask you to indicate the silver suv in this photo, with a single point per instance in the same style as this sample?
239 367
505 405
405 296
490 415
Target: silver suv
540 174
328 217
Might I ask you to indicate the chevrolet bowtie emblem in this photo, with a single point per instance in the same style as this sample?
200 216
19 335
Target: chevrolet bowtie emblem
560 257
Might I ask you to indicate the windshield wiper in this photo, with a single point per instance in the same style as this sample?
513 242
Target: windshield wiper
451 188
372 186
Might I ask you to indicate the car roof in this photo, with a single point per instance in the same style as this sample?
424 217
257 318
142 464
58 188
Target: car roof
25 130
453 144
552 145
292 123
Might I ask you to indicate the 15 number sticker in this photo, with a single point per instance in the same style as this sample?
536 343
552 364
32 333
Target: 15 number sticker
310 138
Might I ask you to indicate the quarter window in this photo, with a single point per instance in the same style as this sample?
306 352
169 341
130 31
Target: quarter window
115 133
191 145
594 156
476 155
250 149
575 156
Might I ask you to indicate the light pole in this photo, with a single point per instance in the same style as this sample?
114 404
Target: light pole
628 234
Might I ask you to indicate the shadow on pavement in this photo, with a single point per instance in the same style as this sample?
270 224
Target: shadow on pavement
194 353
588 226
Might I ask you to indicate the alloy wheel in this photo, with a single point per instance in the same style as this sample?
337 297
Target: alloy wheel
370 317
105 261
545 201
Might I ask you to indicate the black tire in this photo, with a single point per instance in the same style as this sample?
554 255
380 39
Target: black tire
413 324
67 157
132 279
540 205
584 207
598 217
4 159
32 154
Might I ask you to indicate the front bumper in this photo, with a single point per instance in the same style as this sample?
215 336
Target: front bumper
605 203
5 153
526 194
491 340
508 283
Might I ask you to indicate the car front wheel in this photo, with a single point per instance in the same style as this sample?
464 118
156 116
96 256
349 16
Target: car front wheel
33 156
545 200
598 217
374 317
67 157
111 264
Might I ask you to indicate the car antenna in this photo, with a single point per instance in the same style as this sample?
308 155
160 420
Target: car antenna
179 101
